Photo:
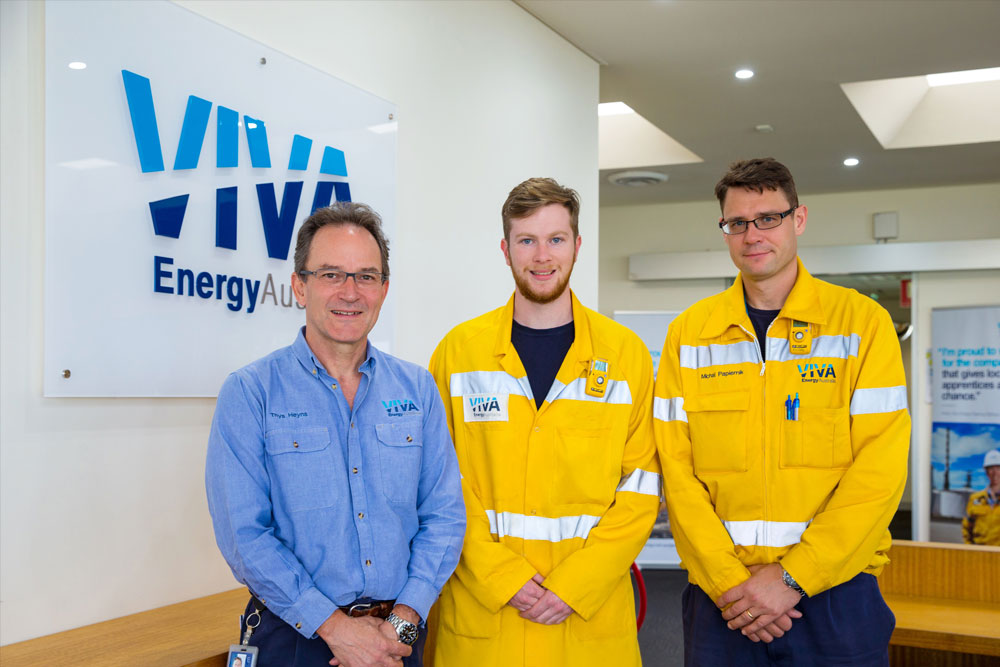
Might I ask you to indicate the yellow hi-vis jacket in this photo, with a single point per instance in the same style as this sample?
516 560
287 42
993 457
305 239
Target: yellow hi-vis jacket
569 491
981 524
745 483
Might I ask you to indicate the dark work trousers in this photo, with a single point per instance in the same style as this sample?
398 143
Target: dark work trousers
281 645
848 625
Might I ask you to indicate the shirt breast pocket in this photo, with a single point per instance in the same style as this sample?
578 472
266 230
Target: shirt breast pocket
399 452
718 427
304 473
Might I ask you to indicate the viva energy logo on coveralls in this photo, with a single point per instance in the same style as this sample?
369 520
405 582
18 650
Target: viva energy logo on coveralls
817 372
485 407
239 292
399 407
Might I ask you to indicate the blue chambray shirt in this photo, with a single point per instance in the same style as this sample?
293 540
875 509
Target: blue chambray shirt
316 505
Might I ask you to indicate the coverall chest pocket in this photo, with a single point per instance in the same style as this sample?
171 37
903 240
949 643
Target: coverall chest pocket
820 438
718 427
399 453
303 471
585 470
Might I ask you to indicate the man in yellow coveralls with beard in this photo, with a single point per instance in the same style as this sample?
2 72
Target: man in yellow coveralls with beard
549 404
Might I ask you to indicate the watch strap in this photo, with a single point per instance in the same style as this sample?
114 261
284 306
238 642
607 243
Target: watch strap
791 583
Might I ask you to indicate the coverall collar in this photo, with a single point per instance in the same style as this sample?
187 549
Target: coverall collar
582 348
803 303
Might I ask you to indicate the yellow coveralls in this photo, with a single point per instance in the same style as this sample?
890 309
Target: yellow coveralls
745 484
569 490
981 524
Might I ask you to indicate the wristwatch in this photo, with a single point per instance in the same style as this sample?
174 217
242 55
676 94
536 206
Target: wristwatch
406 631
791 583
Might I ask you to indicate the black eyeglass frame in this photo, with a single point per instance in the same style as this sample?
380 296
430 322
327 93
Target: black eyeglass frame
347 275
756 222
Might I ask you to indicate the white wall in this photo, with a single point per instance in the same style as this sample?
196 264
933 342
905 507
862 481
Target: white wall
102 509
929 214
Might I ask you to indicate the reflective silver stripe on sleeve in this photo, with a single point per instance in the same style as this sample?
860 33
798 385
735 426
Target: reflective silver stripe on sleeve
702 356
765 533
669 409
508 524
641 481
878 400
830 347
489 382
616 392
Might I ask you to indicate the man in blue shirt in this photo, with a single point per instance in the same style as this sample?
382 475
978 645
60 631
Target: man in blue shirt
332 480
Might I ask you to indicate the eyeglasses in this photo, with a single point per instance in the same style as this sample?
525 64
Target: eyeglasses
769 221
364 280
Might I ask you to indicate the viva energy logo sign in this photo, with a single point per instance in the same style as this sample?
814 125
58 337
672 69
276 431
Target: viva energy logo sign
239 293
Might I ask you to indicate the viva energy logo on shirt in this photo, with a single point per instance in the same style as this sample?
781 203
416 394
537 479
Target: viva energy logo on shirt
817 372
485 407
277 219
399 407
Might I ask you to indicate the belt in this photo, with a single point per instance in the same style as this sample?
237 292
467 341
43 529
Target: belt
366 607
360 607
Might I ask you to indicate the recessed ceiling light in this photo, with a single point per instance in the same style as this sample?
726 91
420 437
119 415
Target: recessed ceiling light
77 65
968 76
613 109
852 162
744 74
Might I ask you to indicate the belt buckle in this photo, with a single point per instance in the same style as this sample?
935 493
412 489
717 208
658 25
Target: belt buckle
360 607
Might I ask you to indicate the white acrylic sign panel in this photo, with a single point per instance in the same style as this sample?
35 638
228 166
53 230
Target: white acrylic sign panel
180 163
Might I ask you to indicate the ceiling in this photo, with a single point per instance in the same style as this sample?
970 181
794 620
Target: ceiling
673 62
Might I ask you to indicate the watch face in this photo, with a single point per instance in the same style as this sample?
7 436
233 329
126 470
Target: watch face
406 631
408 634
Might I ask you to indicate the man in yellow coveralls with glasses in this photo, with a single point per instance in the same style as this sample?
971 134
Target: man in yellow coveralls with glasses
781 421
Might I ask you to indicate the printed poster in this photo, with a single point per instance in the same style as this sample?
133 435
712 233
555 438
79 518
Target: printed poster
966 404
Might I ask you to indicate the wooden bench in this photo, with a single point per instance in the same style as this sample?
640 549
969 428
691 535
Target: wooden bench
196 633
946 598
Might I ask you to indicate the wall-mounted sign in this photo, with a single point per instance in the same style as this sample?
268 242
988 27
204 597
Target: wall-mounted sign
181 158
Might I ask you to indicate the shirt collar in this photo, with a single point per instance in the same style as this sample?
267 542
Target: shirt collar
304 353
803 303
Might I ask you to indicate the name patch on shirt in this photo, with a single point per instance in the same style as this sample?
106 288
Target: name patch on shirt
485 407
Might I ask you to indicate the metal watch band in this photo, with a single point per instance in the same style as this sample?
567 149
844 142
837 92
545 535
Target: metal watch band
406 632
791 583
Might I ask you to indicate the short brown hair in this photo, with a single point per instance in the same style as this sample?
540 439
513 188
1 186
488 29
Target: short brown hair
758 174
339 214
536 193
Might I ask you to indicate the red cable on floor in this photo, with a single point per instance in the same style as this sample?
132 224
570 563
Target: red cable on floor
641 584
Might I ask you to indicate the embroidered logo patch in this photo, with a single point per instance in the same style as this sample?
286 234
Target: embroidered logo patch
399 407
485 407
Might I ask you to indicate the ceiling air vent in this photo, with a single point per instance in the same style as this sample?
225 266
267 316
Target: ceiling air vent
637 179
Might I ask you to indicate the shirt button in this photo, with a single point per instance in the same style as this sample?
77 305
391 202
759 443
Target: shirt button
409 438
537 429
368 562
314 371
355 471
298 626
352 424
361 515
333 386
295 444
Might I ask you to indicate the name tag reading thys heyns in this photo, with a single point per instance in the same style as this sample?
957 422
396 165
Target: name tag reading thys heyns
485 407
